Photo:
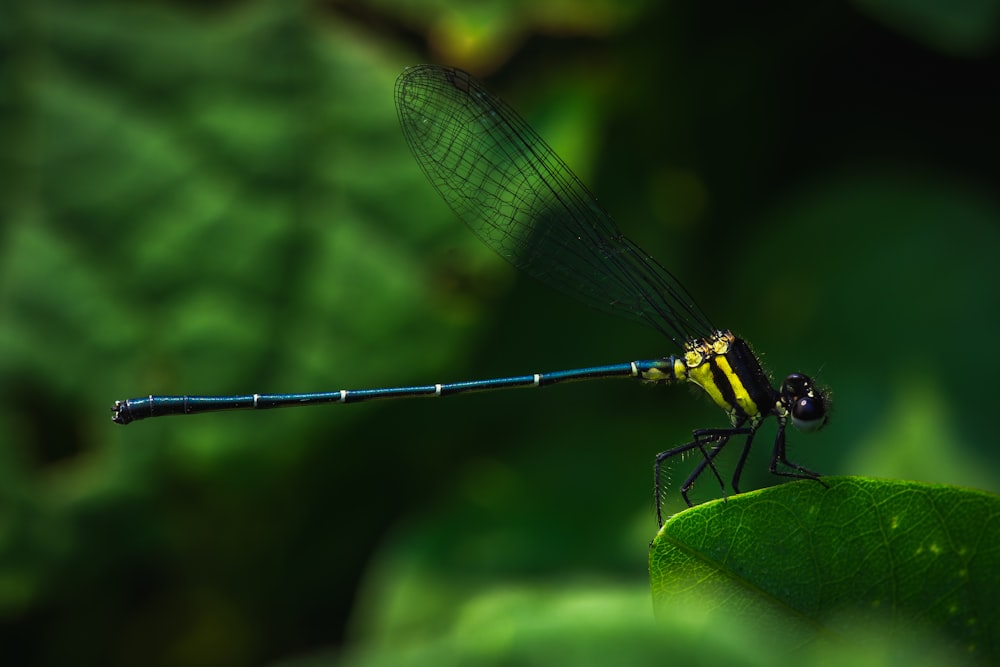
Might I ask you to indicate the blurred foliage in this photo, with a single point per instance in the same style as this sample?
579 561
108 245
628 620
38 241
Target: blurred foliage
967 27
599 622
213 197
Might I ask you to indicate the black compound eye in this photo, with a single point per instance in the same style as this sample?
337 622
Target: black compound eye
808 413
796 384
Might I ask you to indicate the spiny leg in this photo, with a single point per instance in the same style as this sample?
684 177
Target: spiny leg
779 456
721 438
706 461
738 472
701 437
658 487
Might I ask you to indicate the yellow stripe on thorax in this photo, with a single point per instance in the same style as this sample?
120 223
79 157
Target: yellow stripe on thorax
743 399
702 376
700 358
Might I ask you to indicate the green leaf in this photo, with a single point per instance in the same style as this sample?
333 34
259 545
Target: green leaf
801 561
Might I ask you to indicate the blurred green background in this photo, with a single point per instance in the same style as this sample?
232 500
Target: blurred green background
214 197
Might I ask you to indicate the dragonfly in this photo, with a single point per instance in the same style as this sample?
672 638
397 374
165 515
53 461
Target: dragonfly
512 190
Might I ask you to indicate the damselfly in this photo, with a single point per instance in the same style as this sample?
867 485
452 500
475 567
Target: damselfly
522 201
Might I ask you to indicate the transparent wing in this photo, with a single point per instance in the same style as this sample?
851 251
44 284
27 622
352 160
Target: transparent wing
522 201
